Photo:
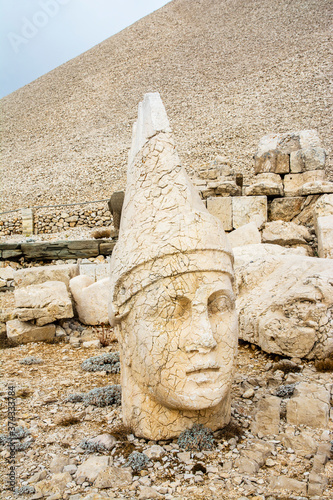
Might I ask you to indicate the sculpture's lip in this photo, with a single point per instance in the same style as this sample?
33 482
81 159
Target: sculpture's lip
207 367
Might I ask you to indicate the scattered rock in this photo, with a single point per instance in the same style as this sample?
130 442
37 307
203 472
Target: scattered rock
45 302
91 467
23 332
113 477
267 418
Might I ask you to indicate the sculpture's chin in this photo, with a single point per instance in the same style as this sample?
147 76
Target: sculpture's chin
201 399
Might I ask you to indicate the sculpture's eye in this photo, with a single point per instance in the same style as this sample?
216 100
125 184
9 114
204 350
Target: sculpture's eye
219 303
175 308
300 309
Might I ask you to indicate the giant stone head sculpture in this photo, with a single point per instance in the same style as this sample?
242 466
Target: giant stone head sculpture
172 298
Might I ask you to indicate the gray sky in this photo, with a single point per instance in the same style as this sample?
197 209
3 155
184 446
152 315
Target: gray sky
36 36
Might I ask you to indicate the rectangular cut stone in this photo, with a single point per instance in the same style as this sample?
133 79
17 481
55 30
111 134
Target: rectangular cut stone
27 221
272 161
11 254
307 160
35 275
61 249
22 332
221 208
247 209
324 230
265 184
102 271
44 302
323 207
312 182
106 247
282 163
88 270
285 208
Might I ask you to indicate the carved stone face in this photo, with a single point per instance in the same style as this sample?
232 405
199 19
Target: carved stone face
179 340
295 321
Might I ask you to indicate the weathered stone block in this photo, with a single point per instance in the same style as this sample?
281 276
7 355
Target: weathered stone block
265 184
106 247
6 273
91 299
307 159
312 182
222 209
27 221
324 230
21 332
288 484
228 187
309 406
91 467
267 418
272 161
285 233
309 139
285 208
37 275
323 207
44 302
113 477
11 254
303 444
245 235
247 209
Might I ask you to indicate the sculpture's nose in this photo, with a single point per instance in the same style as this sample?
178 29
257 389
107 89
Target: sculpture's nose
201 337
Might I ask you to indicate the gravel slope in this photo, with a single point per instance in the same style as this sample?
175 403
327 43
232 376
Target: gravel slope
228 71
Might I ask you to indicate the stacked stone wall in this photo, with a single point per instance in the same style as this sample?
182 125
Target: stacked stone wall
58 218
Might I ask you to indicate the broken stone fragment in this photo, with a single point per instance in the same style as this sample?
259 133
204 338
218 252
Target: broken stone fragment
282 483
303 444
309 406
57 484
285 208
307 159
91 299
311 182
285 233
22 332
273 161
37 275
245 235
222 209
267 184
91 467
324 231
45 302
322 207
113 477
267 418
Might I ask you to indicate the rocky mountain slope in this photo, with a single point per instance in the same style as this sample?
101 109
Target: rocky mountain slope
228 72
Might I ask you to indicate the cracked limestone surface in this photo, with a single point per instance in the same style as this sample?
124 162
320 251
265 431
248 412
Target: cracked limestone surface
172 298
292 314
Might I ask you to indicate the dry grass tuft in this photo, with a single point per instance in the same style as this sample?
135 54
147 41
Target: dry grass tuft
324 365
106 336
66 421
101 232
